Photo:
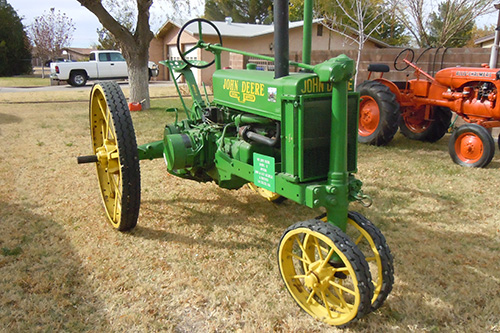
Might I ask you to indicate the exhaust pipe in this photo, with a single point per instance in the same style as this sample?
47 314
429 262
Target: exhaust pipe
281 47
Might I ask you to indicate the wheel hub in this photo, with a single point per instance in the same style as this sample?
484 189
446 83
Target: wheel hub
319 275
471 147
107 155
366 116
369 116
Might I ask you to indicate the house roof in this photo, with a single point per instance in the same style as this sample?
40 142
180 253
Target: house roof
230 29
241 30
80 51
484 39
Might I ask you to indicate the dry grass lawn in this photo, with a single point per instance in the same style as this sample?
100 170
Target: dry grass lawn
203 259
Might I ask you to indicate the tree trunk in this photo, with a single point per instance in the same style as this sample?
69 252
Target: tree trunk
43 68
135 47
138 75
358 60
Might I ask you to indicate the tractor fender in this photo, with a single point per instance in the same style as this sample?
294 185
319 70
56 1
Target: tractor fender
392 87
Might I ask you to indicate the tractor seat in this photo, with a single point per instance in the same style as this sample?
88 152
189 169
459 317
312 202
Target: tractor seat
380 68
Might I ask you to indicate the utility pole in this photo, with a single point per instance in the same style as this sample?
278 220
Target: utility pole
494 48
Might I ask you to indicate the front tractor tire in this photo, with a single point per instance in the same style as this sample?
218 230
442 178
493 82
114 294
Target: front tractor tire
370 240
266 194
414 125
378 114
325 273
115 146
472 146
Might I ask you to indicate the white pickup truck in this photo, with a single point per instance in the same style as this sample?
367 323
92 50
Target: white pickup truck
101 65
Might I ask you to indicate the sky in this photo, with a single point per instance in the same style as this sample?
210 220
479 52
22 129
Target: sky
86 23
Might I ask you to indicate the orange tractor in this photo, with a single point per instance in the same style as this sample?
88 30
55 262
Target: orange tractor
421 108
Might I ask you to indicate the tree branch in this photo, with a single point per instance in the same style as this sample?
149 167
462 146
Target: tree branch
107 21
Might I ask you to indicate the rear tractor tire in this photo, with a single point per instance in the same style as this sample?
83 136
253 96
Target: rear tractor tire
472 146
115 148
414 126
378 114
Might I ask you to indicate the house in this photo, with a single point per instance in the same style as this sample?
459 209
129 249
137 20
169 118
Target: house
66 54
76 54
254 38
486 41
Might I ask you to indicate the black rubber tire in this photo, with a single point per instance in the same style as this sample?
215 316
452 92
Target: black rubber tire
352 253
388 113
78 78
127 151
384 254
436 129
477 131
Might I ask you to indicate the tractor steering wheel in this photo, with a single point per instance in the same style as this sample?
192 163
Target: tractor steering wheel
408 56
185 55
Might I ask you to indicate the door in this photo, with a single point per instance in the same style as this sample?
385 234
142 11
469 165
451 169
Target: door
173 54
112 65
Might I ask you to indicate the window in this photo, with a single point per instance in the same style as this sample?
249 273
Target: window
92 57
319 32
116 57
103 56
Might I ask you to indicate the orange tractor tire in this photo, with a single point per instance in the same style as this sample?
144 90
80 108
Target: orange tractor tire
378 113
413 124
472 146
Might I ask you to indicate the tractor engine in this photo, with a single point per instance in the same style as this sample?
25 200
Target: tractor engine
190 147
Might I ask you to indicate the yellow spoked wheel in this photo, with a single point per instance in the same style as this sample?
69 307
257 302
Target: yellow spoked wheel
373 245
325 272
115 146
271 196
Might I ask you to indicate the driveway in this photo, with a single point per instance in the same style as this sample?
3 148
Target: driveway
67 87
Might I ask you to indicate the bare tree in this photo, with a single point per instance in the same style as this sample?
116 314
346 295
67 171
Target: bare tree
134 45
457 15
49 34
356 20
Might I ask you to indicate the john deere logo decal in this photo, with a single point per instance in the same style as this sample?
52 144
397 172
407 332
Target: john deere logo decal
243 91
242 98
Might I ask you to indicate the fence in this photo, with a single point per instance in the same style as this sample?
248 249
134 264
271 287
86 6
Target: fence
430 60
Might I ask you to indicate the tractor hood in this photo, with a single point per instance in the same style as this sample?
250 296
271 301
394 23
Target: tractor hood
260 93
456 77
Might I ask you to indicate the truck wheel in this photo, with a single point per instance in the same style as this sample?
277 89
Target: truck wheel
413 124
78 79
378 114
472 146
114 144
324 272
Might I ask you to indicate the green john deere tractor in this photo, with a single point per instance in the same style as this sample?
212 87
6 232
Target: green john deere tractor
293 135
